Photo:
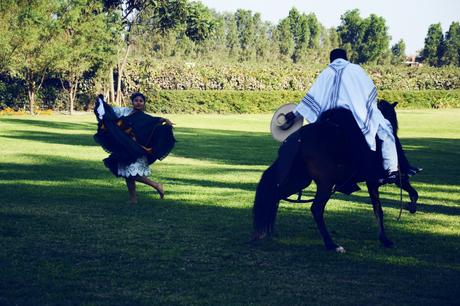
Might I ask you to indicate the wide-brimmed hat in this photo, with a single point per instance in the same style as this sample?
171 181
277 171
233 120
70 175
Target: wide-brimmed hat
279 127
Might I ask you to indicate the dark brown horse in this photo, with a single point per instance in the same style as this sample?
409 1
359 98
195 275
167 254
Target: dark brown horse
333 153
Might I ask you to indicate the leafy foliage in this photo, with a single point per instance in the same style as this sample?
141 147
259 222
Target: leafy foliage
398 52
247 102
365 39
451 54
432 52
117 46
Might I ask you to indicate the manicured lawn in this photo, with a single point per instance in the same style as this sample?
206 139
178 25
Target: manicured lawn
67 236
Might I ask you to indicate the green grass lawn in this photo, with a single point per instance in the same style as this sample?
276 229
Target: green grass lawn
68 237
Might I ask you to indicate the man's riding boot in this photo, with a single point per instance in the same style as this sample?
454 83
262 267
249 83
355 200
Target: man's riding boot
413 170
391 178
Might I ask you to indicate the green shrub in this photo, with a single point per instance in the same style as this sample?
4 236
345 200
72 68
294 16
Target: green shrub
240 102
243 76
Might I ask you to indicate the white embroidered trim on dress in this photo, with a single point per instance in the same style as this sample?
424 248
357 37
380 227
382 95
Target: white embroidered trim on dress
140 167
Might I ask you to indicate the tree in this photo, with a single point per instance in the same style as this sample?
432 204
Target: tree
294 18
303 40
31 50
246 33
88 41
398 52
366 39
375 40
232 40
261 42
300 32
8 12
164 14
314 27
201 24
451 54
350 32
332 39
286 41
432 50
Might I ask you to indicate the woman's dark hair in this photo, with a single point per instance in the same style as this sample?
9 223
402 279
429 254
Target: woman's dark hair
137 94
338 53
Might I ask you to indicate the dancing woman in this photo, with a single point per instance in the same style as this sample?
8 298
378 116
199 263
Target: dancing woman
134 140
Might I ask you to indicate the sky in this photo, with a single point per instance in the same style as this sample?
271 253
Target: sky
406 19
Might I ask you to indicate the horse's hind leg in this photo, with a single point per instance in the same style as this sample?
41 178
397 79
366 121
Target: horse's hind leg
323 193
413 194
378 212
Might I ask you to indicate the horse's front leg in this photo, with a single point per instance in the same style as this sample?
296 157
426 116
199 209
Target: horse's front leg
413 194
323 193
378 212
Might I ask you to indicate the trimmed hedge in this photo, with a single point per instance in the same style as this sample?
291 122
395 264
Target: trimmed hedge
219 101
423 98
241 102
159 75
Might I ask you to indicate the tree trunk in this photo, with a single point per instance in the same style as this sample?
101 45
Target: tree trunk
111 86
71 102
72 95
31 92
121 69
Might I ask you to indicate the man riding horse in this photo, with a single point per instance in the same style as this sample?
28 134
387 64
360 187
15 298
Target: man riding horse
337 150
346 85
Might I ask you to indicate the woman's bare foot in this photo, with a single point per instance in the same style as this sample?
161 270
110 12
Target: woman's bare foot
160 190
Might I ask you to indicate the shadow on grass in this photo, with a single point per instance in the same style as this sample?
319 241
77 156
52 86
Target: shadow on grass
393 201
229 147
53 168
67 242
79 244
243 148
33 123
435 155
63 169
73 243
53 138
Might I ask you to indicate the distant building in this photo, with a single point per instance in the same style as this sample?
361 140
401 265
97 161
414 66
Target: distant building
413 61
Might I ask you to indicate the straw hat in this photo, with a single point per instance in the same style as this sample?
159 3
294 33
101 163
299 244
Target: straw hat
279 127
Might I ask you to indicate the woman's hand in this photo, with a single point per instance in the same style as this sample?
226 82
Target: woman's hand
168 122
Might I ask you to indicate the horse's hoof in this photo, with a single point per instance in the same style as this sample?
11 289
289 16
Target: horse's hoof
335 248
412 207
413 204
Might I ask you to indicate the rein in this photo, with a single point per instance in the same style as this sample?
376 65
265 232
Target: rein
299 196
400 197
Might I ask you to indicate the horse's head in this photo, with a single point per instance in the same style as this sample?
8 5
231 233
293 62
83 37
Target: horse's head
389 112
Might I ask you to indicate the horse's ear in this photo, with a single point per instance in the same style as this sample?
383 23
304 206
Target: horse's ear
394 104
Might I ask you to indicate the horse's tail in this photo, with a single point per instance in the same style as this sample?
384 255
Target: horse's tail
265 204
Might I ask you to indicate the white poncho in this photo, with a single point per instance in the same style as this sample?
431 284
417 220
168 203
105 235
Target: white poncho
346 85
